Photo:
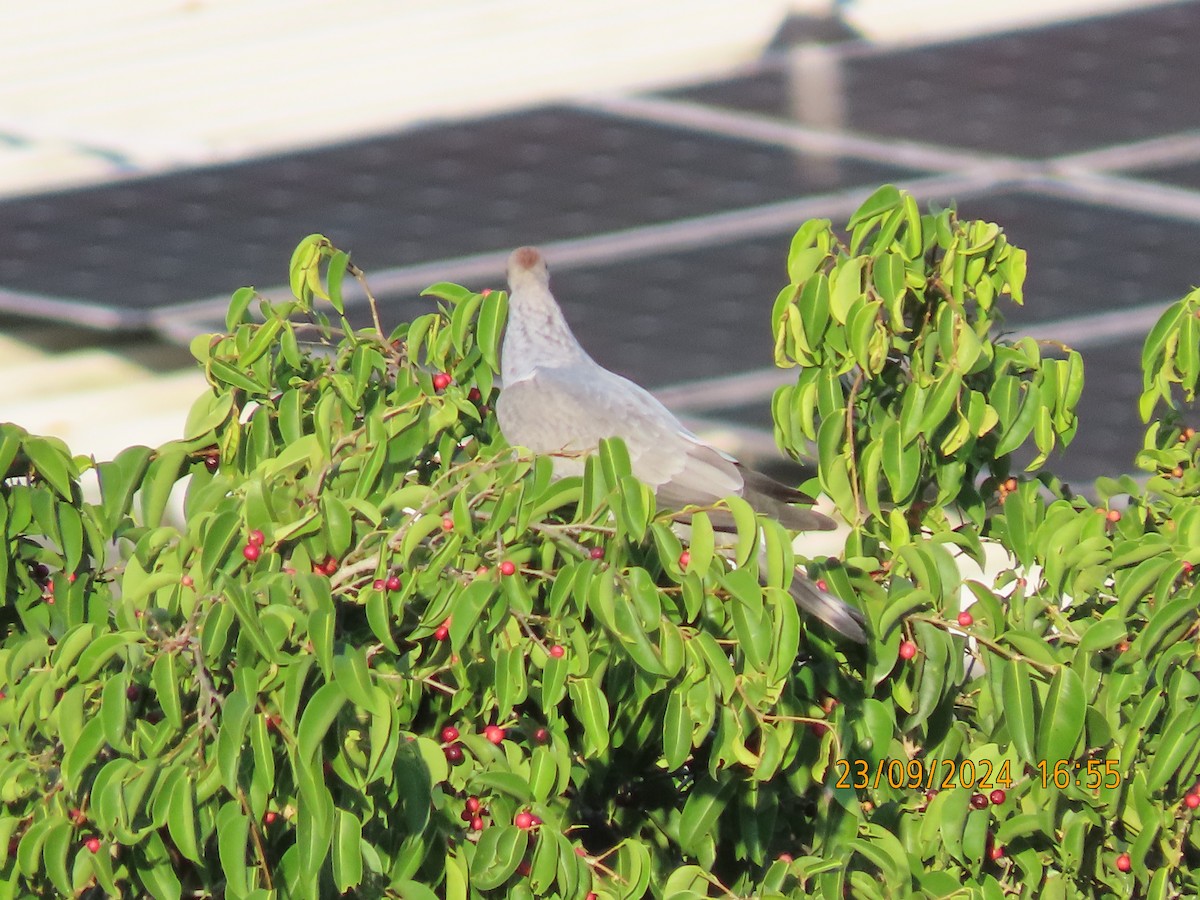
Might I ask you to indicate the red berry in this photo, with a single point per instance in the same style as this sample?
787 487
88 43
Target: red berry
822 584
507 567
133 692
71 578
685 559
252 552
472 804
379 584
541 735
212 462
187 581
494 733
1124 863
93 844
473 395
486 292
449 736
269 817
558 651
908 650
1187 568
447 524
591 895
995 852
257 537
997 797
596 553
1114 515
392 583
1192 800
441 633
453 753
331 565
441 381
785 857
979 801
536 821
77 816
3 695
523 820
477 824
481 571
965 619
580 852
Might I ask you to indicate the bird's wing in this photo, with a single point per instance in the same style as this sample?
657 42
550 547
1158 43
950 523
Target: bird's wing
569 410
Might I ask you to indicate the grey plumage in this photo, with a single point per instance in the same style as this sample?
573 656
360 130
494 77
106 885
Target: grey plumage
557 400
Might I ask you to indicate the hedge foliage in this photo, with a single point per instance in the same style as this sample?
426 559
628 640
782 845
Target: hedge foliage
383 654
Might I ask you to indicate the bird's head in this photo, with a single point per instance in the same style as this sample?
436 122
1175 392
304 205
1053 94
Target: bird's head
527 267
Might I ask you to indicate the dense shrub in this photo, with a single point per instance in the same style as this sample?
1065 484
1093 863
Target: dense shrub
383 653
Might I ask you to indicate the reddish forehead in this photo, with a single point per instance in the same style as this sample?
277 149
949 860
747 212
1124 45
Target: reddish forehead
527 257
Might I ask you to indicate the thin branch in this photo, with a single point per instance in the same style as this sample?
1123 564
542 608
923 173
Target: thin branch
361 278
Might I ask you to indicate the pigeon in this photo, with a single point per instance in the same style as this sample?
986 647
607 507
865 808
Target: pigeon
556 400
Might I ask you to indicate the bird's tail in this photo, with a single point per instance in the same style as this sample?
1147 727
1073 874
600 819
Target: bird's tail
835 613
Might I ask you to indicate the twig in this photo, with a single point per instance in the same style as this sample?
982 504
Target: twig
361 278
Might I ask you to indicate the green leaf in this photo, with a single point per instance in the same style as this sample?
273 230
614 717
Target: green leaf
52 463
497 855
592 709
884 199
319 714
700 543
468 607
493 313
181 816
445 290
80 756
1167 620
887 274
158 873
901 464
233 833
1062 717
1019 710
845 286
334 276
120 480
1022 423
636 507
1101 635
265 337
58 841
701 813
347 851
238 304
231 737
350 670
677 730
746 522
